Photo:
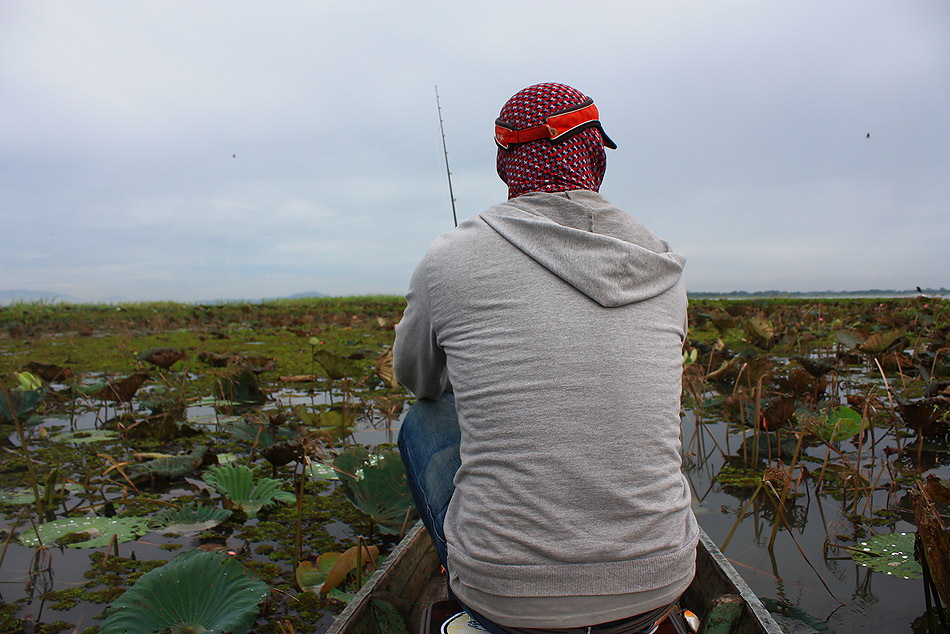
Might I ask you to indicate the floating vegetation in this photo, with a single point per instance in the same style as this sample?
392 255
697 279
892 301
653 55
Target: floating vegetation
85 532
171 467
85 436
191 517
195 592
376 487
238 485
331 569
840 423
807 426
891 554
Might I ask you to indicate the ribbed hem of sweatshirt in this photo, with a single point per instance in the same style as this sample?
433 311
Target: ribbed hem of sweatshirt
574 579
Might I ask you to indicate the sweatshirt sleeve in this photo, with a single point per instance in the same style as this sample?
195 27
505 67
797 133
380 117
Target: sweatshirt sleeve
418 360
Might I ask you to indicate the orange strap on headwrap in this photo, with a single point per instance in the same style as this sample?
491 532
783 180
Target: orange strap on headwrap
559 126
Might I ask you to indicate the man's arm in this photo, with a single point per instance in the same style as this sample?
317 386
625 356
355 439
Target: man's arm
418 360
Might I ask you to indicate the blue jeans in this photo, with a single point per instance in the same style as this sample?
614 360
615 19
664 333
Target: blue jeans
429 445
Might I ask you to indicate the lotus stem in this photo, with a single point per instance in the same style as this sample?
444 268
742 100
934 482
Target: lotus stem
890 398
10 532
298 537
791 534
739 519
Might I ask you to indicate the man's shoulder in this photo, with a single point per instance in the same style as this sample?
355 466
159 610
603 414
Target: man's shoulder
467 233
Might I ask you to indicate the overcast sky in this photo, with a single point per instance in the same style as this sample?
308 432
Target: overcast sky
235 149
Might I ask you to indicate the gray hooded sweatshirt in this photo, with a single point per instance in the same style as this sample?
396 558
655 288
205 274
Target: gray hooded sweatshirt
558 321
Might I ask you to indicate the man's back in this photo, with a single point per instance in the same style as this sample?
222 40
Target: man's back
570 476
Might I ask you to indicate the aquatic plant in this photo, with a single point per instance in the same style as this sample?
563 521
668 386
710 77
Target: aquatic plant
86 532
330 569
379 489
891 554
19 404
839 423
163 358
240 386
189 518
237 484
170 467
195 592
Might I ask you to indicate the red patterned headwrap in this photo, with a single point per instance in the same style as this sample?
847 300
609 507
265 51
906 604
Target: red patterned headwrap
555 161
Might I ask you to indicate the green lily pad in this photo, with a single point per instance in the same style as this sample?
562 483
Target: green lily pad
236 482
171 468
93 531
197 591
87 436
336 366
319 471
23 495
264 435
311 577
848 338
190 518
841 423
379 490
891 554
23 401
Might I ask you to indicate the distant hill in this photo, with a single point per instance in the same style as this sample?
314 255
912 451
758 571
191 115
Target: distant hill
305 295
21 295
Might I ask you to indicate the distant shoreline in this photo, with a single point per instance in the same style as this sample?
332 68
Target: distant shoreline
936 293
8 298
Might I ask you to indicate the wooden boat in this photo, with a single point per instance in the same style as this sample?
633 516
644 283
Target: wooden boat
411 579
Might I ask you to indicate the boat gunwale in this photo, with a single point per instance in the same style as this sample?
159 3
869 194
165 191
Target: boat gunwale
417 538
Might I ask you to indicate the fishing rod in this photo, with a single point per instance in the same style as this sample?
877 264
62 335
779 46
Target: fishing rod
448 172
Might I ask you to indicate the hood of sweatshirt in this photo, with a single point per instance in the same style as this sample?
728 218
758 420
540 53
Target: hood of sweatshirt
602 252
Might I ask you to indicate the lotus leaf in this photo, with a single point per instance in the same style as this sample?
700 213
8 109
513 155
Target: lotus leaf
99 530
379 490
879 342
320 471
934 541
892 554
22 496
331 569
311 577
848 338
171 467
769 446
262 434
334 365
236 482
792 618
28 381
83 437
760 330
24 402
328 418
924 415
384 368
197 591
241 386
346 562
841 423
190 518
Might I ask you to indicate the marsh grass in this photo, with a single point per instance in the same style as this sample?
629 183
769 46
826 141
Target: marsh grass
738 379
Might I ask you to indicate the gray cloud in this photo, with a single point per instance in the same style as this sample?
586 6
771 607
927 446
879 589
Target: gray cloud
230 149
